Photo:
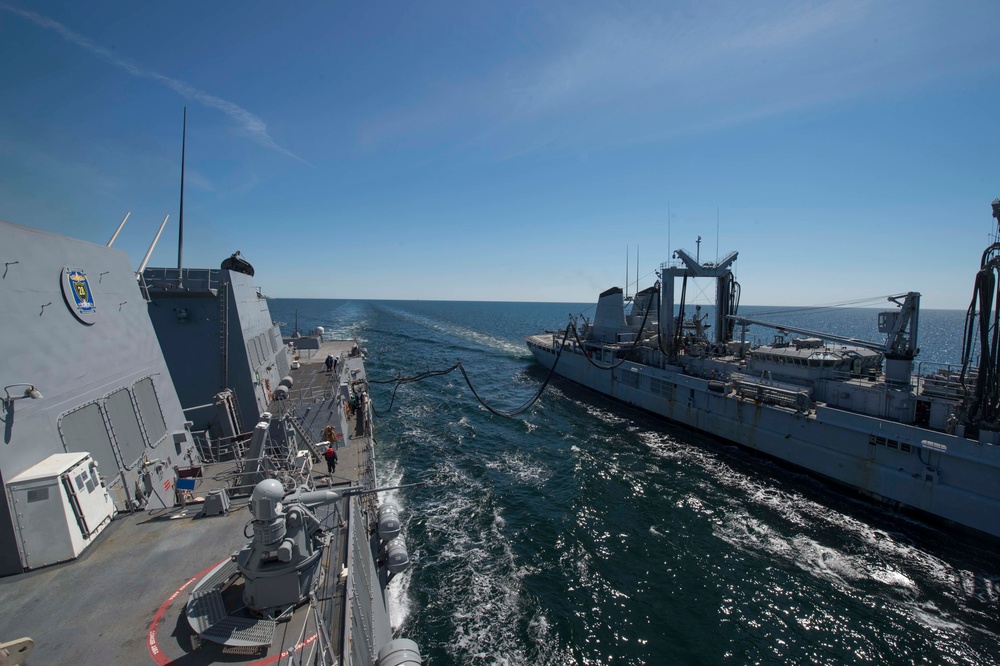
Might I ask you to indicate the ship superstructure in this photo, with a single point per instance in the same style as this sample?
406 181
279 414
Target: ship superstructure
185 489
225 354
82 373
850 410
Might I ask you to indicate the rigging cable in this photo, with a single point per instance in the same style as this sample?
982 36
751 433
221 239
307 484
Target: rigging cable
860 302
985 404
399 381
635 343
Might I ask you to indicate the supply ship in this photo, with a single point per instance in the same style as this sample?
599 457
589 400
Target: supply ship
165 497
850 410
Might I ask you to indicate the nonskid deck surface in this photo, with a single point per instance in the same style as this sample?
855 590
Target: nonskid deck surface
312 385
122 601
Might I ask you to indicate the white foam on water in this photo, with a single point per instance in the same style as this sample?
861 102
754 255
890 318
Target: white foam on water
400 602
345 322
603 415
479 584
478 338
522 467
773 522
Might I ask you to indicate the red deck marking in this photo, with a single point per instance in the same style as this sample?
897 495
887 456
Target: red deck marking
164 660
154 648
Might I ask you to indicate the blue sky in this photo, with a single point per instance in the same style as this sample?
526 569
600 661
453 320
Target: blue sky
511 150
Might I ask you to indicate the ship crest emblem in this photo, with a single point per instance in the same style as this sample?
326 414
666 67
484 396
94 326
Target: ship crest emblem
79 296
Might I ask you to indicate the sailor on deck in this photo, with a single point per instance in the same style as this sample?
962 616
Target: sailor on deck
331 459
331 453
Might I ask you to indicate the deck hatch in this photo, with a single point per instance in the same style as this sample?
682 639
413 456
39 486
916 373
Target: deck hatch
125 425
83 430
149 410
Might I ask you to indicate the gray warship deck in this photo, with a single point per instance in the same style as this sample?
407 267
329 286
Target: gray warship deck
122 601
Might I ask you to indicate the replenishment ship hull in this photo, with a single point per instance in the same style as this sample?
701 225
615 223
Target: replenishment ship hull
848 410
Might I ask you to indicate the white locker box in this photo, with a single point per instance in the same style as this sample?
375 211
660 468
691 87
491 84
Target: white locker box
59 508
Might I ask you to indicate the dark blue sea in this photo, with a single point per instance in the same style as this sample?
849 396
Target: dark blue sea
586 532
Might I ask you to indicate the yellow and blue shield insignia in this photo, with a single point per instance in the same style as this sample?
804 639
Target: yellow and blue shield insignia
79 297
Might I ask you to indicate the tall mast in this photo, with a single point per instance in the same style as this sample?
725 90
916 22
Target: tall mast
180 233
626 271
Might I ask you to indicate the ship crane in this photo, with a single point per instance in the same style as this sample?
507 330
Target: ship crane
900 342
726 295
900 327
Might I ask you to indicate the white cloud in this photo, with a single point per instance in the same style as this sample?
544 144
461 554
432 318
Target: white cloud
615 78
253 125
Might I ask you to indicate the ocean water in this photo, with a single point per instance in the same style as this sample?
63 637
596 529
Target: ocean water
587 532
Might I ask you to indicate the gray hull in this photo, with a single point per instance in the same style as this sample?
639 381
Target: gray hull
943 475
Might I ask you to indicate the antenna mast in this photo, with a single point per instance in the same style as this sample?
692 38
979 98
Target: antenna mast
119 229
180 234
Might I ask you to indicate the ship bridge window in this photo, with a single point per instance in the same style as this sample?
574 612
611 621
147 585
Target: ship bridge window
149 410
125 426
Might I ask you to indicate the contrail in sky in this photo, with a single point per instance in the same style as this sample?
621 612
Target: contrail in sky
253 125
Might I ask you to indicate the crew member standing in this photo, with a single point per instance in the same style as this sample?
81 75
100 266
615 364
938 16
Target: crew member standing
329 363
331 459
331 453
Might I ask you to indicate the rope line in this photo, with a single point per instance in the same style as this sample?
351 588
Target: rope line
872 300
635 343
399 381
571 326
985 403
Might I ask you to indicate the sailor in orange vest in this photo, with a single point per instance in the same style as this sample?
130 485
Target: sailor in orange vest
331 453
331 459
